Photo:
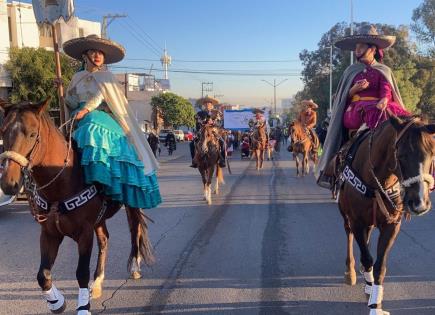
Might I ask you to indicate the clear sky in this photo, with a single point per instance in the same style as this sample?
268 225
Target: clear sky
236 30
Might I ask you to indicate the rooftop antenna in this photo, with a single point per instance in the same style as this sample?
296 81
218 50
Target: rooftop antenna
166 60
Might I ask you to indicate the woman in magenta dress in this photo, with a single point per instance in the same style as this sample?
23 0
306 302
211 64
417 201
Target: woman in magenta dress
366 94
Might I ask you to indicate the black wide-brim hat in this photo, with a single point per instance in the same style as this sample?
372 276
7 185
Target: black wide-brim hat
257 111
75 48
367 34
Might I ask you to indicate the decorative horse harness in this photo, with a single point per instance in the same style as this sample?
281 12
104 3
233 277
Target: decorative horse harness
350 175
40 207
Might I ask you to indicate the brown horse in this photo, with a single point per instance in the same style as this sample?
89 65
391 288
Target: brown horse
259 144
35 149
207 157
302 144
391 171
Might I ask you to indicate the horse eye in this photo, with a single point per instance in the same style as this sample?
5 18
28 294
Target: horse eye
33 135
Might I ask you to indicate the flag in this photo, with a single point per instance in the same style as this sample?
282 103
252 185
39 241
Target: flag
50 11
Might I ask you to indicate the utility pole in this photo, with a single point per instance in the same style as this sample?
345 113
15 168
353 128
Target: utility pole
107 20
351 28
206 87
274 85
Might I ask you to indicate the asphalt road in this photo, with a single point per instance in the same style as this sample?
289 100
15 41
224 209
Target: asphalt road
271 243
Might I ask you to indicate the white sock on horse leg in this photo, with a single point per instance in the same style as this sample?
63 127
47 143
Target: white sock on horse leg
376 296
83 304
368 277
54 298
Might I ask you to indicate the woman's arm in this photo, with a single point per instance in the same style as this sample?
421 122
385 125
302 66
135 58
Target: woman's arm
385 94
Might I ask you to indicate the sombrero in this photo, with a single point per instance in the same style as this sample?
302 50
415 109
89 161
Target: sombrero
75 48
367 34
208 99
310 103
257 110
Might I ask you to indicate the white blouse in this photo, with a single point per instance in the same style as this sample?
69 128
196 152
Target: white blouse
85 90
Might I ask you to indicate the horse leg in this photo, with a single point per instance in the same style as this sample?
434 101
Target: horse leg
296 158
56 302
262 158
362 233
85 243
216 189
350 274
141 248
103 240
388 234
209 180
306 164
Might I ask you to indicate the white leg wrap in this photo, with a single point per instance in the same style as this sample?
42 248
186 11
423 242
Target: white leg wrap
368 277
83 304
135 265
377 295
54 298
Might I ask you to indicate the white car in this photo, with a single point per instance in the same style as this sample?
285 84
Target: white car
179 135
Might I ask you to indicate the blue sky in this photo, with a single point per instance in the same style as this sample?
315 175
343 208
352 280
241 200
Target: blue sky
233 30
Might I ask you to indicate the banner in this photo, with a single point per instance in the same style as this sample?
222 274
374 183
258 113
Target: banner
239 119
50 11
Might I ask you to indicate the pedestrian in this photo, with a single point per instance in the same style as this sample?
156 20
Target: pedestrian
123 167
171 142
367 91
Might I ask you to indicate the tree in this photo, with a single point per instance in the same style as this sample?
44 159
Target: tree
176 110
423 24
33 72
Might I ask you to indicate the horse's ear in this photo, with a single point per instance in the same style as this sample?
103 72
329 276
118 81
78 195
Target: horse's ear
428 128
396 122
42 106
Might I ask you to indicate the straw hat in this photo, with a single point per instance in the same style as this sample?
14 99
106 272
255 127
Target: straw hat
366 34
208 99
310 103
75 48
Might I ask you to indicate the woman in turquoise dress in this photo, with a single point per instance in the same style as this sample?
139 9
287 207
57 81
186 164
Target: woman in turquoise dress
114 151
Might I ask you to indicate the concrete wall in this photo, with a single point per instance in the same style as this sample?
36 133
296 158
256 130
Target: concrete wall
5 81
24 29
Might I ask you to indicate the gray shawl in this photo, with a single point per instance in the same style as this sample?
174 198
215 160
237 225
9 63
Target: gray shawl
335 134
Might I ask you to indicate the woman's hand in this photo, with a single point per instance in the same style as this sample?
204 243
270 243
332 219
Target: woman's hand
81 114
382 104
359 86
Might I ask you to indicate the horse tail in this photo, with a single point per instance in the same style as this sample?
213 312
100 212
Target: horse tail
220 175
141 245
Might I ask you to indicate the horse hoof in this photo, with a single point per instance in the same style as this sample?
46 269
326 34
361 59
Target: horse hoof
378 311
135 275
96 292
350 277
60 309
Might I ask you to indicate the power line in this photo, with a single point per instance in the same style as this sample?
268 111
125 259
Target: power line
140 39
220 61
146 34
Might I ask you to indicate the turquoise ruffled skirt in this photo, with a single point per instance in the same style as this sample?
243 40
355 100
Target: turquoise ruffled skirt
110 160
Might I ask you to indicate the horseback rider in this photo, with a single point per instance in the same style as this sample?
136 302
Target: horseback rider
114 152
258 121
212 117
308 118
367 91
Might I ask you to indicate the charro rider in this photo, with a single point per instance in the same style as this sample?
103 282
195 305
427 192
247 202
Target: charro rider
366 93
114 152
258 120
308 118
208 116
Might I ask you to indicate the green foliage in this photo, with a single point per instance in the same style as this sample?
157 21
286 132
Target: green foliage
176 110
423 24
33 72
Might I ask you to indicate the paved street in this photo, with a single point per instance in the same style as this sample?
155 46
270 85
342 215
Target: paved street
270 244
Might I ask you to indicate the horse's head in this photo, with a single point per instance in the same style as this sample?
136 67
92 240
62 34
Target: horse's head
208 137
296 131
20 132
415 154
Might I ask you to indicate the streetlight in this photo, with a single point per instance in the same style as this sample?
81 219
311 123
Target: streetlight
330 76
274 85
351 28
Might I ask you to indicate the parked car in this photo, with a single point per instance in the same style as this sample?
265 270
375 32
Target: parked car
179 135
188 136
162 135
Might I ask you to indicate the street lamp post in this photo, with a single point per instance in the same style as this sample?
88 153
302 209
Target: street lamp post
274 85
351 28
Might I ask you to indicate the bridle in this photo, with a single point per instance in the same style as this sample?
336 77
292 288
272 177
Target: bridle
405 183
26 163
301 140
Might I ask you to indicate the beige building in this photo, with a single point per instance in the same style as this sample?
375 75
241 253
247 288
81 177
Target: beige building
18 28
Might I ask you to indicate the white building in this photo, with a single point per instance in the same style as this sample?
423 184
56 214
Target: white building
18 28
